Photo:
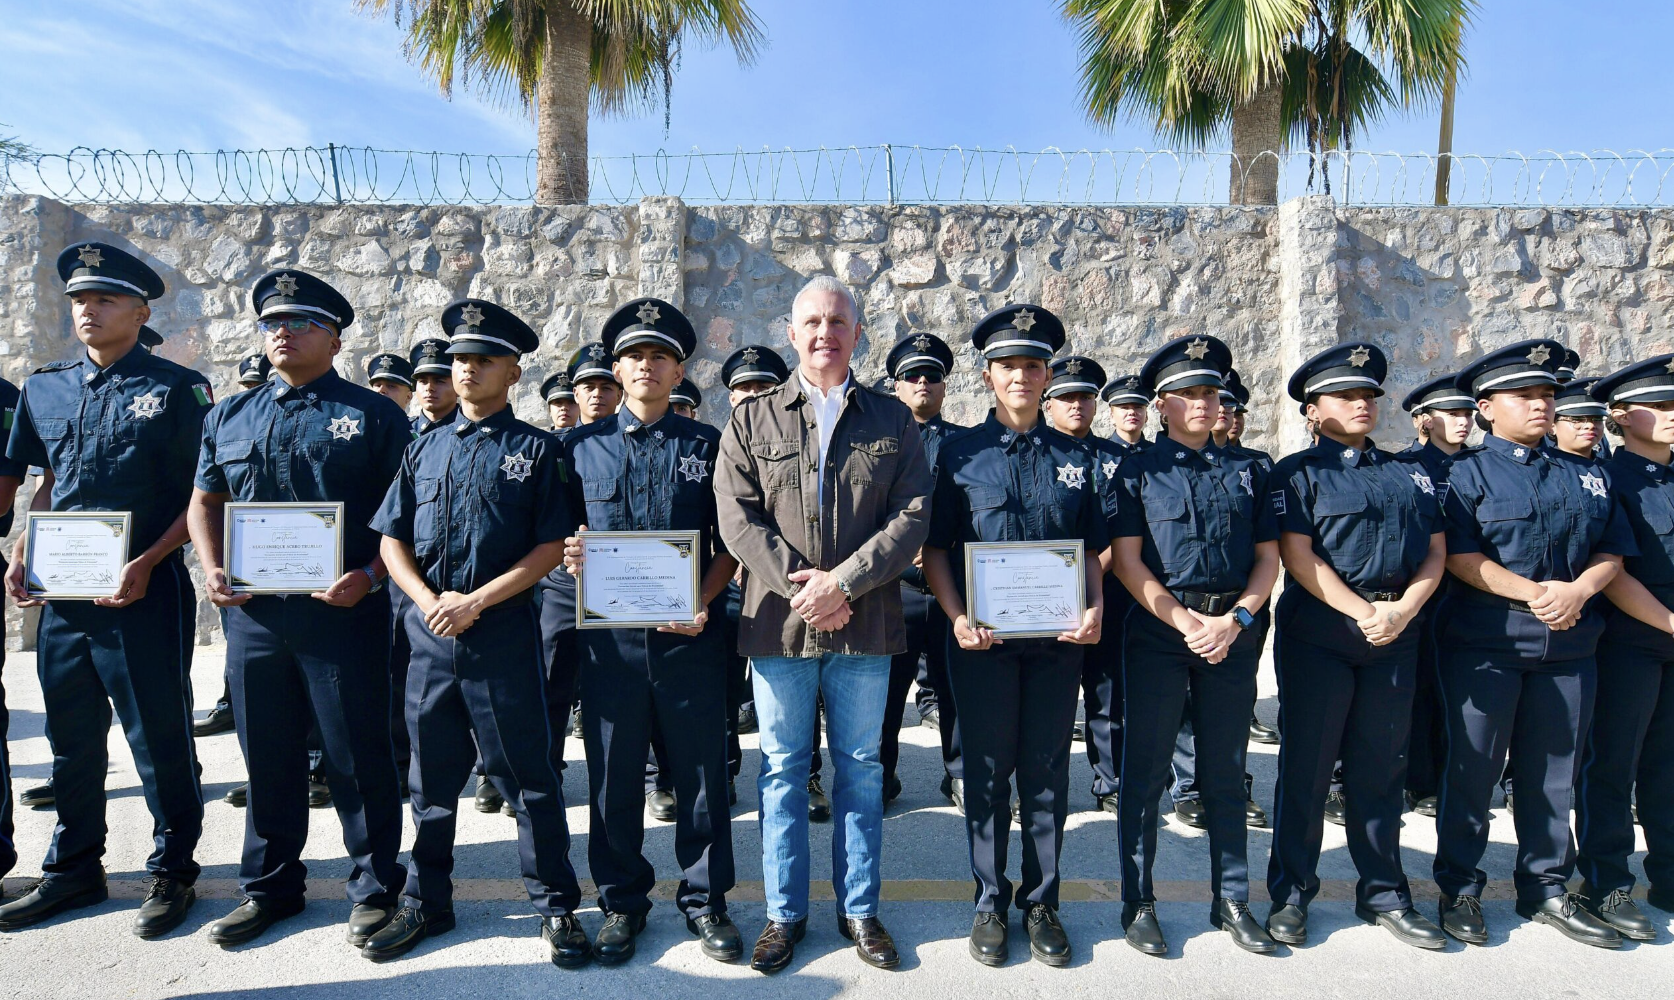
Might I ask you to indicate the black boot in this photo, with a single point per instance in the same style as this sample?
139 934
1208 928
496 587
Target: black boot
488 798
251 918
1140 927
615 942
717 936
166 902
1572 920
404 931
566 942
1234 917
1288 924
50 897
1047 941
1617 909
1408 925
988 939
1461 918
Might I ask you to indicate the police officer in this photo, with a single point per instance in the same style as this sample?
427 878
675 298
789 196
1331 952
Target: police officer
597 393
1071 402
253 370
645 468
918 367
472 522
1578 426
746 372
1235 433
1531 539
391 375
438 407
305 662
685 399
116 429
559 393
11 477
1014 479
1200 556
1363 549
1631 741
1129 409
1441 417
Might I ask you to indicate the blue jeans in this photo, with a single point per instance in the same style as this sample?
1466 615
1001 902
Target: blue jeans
856 689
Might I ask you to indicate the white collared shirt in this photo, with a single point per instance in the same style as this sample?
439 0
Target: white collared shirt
826 406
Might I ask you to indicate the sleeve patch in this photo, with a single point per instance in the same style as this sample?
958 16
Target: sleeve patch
1279 502
204 394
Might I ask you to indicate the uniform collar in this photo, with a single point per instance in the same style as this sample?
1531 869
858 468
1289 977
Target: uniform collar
1622 459
1429 448
446 418
1520 453
126 366
631 424
283 390
1010 438
1211 453
1343 454
490 425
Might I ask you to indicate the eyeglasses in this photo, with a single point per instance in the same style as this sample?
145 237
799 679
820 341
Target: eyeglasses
1581 420
295 324
929 375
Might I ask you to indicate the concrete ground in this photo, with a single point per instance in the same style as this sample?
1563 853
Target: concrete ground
495 949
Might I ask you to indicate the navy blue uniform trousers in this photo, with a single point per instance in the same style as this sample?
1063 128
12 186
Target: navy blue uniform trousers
138 659
928 633
1505 706
488 682
631 681
1427 747
562 657
1016 703
1158 673
1101 690
1632 742
1340 695
400 655
1184 764
299 666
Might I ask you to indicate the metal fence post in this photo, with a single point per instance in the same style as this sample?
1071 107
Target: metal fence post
336 187
889 166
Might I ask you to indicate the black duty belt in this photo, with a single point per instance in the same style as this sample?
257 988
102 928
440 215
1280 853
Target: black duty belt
1386 596
1493 600
1208 604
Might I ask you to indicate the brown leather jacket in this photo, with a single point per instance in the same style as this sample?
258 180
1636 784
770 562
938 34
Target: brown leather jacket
875 516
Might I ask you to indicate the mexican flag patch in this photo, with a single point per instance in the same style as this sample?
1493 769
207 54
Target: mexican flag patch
206 397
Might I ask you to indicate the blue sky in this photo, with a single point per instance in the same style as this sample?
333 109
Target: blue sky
208 74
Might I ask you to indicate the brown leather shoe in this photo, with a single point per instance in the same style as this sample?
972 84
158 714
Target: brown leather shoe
874 944
777 945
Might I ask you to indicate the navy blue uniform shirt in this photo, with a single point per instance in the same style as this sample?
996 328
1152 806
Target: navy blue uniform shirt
118 438
8 466
1196 513
933 432
473 499
1645 490
1261 458
996 485
1433 461
423 425
1370 515
329 441
1540 516
626 476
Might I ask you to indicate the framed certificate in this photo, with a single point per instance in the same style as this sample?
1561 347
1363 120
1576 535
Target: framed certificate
1023 589
74 555
638 579
283 548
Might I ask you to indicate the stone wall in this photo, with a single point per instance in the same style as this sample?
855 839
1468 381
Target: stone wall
1433 287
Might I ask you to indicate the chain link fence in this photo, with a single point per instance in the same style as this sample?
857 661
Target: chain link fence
883 174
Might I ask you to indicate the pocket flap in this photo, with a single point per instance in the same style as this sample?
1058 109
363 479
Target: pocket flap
1164 508
985 497
877 446
1329 504
51 428
426 490
1506 509
773 451
598 489
234 451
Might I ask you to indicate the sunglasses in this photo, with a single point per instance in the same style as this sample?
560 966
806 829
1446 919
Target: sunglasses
930 375
295 324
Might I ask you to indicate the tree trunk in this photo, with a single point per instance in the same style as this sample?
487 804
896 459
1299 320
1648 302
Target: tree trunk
1256 135
561 105
1444 144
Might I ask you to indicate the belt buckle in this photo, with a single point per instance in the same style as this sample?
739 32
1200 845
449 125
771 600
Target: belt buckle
1212 604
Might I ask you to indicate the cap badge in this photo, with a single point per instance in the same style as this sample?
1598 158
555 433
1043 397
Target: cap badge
91 256
649 314
921 342
472 315
1072 366
1024 320
596 352
1670 368
1540 354
1359 356
286 284
1197 349
750 355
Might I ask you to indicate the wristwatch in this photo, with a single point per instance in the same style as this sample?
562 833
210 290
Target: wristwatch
1242 616
843 586
377 584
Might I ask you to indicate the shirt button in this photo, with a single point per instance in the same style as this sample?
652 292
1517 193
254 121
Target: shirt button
813 519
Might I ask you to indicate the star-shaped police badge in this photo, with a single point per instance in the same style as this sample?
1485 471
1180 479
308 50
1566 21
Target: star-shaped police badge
516 467
147 406
1539 354
1359 356
648 313
472 315
1424 483
695 469
1109 468
750 355
596 351
1247 481
921 342
286 284
1594 484
1072 475
1072 366
91 256
1519 452
1024 320
1197 349
344 428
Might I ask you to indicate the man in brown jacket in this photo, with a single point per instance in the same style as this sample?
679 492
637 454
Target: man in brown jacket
823 494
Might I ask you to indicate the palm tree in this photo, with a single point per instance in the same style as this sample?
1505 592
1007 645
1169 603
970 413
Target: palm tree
565 58
1270 72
